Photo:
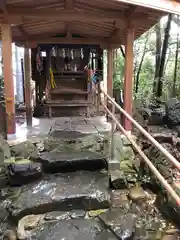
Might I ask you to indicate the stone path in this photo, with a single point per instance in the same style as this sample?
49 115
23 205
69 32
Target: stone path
41 127
74 197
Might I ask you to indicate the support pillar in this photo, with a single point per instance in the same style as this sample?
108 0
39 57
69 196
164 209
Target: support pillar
8 78
128 77
110 72
27 83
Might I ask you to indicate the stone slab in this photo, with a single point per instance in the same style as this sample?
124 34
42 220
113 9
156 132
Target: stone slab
63 192
121 224
78 229
54 162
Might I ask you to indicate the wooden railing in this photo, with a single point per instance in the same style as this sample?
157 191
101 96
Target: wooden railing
158 175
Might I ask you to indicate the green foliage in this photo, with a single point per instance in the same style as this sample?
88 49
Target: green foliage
147 70
118 75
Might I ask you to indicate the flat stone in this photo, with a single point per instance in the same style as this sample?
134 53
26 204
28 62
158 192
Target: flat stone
77 229
70 141
23 171
62 215
163 137
137 193
63 134
121 224
120 198
25 150
63 192
72 161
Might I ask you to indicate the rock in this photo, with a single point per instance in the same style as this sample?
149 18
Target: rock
145 112
77 190
4 214
137 193
141 115
72 161
62 215
122 225
25 150
10 235
4 149
157 116
149 225
60 141
118 180
76 229
3 177
27 223
40 146
23 171
96 213
119 198
163 165
172 108
168 206
170 237
163 137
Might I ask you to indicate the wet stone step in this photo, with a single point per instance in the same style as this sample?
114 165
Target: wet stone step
77 229
120 223
62 192
53 162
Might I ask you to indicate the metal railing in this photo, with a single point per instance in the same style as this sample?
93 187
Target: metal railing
158 175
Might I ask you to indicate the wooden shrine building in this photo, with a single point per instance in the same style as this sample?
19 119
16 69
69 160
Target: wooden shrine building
70 32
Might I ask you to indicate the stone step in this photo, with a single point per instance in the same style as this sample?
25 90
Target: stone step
78 229
54 162
62 192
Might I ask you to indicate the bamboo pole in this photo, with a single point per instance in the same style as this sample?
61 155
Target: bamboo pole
148 162
142 130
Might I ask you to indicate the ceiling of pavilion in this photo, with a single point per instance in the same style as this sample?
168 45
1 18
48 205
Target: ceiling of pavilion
95 20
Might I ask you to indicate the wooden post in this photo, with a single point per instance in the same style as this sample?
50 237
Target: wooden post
8 78
27 81
110 72
128 77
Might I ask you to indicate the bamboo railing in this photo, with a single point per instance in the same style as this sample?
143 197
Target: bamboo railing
158 175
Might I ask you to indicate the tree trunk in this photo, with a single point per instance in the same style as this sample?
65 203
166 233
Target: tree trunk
140 64
175 67
158 55
163 56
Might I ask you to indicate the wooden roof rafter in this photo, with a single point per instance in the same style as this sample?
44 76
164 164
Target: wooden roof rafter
68 5
105 21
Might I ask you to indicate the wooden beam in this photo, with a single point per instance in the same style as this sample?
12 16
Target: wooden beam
22 32
68 15
68 4
128 77
171 6
131 11
27 81
54 40
16 20
8 78
3 6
